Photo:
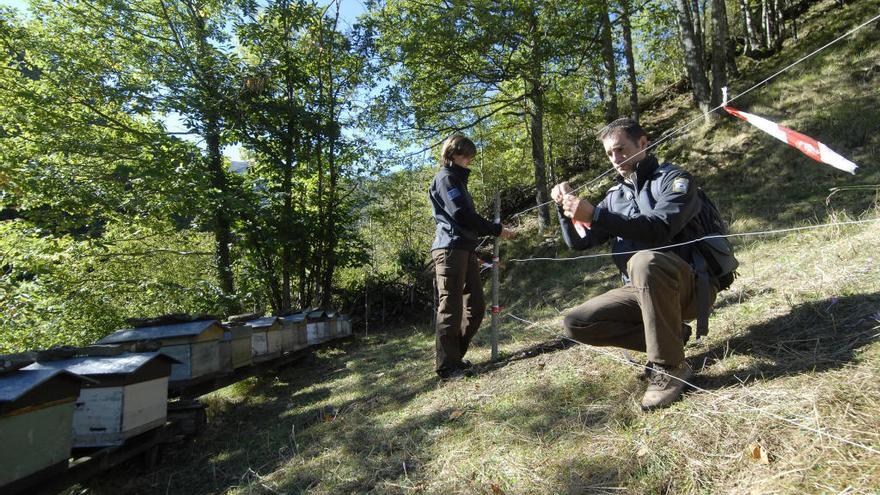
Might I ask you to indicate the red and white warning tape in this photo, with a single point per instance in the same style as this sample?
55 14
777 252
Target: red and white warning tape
807 145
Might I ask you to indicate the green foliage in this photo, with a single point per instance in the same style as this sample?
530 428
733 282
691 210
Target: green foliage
57 290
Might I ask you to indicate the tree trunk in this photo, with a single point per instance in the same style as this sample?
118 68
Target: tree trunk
778 23
630 61
766 23
535 98
719 50
286 231
222 222
302 262
610 72
752 44
692 57
699 32
536 124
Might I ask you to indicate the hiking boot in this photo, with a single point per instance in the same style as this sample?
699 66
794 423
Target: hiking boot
454 374
451 375
648 370
666 385
466 365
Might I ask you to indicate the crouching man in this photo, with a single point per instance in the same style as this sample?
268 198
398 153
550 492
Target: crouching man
652 205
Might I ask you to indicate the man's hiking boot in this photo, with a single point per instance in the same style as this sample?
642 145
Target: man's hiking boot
666 385
647 372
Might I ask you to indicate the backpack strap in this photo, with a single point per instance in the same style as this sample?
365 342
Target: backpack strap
702 286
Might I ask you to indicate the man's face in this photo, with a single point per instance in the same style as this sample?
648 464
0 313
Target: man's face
623 152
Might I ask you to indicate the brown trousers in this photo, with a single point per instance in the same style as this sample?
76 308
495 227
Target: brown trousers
460 307
645 315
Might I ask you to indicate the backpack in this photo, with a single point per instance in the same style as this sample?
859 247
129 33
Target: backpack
713 256
717 251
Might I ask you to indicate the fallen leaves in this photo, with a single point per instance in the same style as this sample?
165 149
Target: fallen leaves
455 414
758 453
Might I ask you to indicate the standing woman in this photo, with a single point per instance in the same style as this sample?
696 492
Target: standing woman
461 302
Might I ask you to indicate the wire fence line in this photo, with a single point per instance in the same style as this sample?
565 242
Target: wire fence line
714 236
799 424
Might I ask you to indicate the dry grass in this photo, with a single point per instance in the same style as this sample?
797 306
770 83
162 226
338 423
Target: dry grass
797 339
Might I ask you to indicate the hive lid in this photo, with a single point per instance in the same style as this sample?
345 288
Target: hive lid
317 313
103 365
18 383
266 321
159 332
295 318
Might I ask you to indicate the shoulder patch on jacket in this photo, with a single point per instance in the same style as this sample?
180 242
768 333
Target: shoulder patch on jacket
453 193
680 185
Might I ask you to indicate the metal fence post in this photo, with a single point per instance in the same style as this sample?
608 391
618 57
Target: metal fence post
495 288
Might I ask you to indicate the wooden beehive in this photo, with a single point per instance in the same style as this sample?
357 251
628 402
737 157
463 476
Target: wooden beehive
332 318
344 323
236 347
288 334
195 345
319 326
266 338
129 395
36 418
298 322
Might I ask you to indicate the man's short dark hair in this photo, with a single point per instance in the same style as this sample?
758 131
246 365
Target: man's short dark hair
624 124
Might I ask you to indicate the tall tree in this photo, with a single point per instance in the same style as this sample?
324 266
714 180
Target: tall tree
181 54
752 42
626 27
609 64
693 54
719 50
339 69
274 126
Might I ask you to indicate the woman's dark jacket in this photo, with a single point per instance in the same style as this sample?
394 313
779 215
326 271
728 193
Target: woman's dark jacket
458 224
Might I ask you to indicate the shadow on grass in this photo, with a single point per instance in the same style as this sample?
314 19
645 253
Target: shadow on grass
265 422
812 337
546 347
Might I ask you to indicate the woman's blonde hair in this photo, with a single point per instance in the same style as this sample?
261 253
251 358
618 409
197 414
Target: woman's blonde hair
456 144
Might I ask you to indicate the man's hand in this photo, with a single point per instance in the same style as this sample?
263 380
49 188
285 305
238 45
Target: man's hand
507 233
559 191
577 209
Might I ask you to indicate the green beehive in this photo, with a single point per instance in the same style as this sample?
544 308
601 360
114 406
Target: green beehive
36 418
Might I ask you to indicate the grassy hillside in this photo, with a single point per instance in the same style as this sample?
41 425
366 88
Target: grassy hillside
794 348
